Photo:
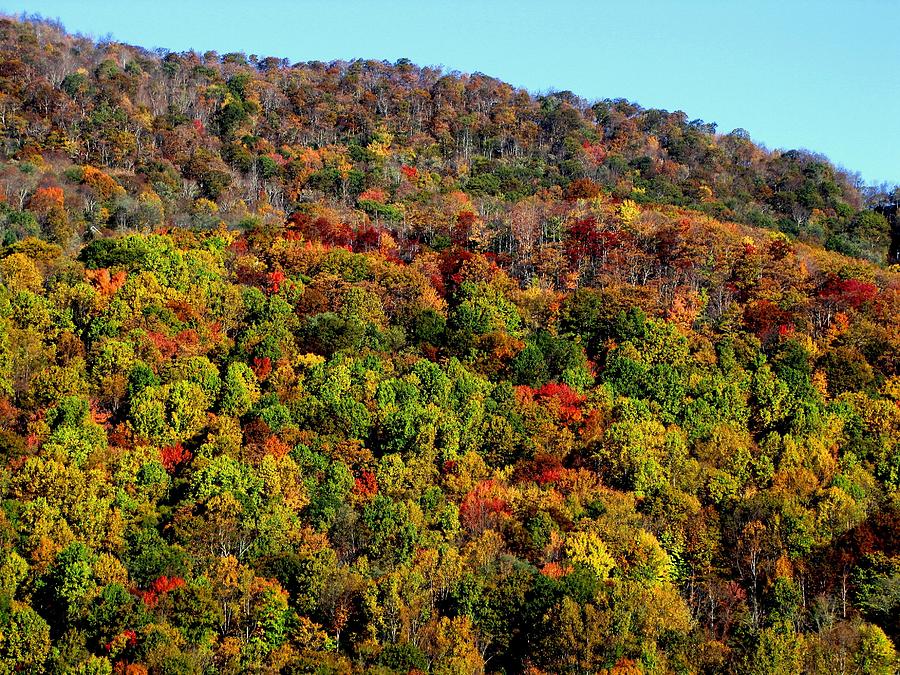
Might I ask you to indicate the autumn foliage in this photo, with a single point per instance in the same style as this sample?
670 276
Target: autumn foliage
366 367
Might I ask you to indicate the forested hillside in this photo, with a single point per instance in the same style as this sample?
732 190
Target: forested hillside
360 367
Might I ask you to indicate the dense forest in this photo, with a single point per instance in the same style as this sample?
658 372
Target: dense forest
366 367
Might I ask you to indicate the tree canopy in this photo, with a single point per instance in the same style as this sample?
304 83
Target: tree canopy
364 367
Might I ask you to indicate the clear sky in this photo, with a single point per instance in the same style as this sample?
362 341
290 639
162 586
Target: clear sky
822 75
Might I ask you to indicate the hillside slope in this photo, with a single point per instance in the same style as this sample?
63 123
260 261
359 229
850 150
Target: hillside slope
364 368
237 131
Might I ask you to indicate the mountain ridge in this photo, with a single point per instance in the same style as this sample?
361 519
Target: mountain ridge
492 140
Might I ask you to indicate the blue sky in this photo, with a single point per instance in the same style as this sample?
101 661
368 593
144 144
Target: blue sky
822 75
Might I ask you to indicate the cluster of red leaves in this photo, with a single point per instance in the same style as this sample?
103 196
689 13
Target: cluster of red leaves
256 432
8 413
450 267
561 392
120 435
596 153
276 447
174 456
736 592
167 346
46 198
779 248
568 399
240 246
785 331
98 416
550 475
542 469
373 195
274 280
484 507
366 484
411 172
584 240
126 638
465 221
187 339
159 587
730 597
259 441
670 243
626 666
555 571
765 318
321 229
366 239
262 367
847 292
338 235
277 158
